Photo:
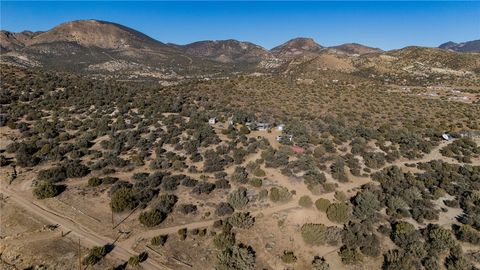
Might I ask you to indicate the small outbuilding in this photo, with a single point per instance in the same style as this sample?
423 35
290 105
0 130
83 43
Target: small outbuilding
281 127
447 137
285 137
212 121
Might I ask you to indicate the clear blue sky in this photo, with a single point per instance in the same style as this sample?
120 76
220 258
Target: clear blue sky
387 25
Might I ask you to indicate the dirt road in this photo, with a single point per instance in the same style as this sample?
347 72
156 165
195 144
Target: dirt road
122 249
206 223
87 237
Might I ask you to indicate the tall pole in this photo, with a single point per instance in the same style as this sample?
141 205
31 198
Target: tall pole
113 225
79 256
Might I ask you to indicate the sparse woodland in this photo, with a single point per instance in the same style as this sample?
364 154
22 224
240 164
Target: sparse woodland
150 150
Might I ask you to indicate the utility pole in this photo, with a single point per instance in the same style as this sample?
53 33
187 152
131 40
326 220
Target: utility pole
79 256
113 224
14 170
13 176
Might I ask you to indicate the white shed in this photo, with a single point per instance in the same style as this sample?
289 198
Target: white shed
447 137
212 121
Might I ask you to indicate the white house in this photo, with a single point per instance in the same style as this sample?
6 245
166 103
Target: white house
257 126
263 126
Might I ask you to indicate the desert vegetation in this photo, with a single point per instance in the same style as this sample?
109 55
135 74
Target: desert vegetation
366 177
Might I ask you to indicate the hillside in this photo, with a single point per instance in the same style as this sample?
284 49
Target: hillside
468 46
297 47
227 51
355 48
109 50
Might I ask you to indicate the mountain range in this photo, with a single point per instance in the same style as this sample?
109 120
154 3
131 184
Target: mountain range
469 46
98 47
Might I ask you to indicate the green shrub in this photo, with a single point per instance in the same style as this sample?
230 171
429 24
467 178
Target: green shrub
166 202
462 150
224 240
313 234
137 259
46 190
328 187
244 130
259 172
305 201
280 194
202 232
322 204
134 260
439 239
94 182
263 194
53 174
350 255
339 212
182 233
319 263
240 175
337 170
238 199
288 257
241 220
319 151
314 179
123 199
159 240
152 218
467 234
404 233
256 182
224 209
366 204
95 255
238 257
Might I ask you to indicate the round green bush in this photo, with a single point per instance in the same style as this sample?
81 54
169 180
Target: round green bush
313 234
339 212
322 204
305 201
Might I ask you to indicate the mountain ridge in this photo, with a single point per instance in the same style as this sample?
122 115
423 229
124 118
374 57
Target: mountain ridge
466 46
110 49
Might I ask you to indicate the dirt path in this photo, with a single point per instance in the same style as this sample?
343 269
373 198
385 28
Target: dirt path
201 224
77 231
122 249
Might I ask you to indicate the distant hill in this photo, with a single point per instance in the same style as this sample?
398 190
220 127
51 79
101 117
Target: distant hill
296 47
355 48
469 46
111 50
227 51
13 41
98 47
